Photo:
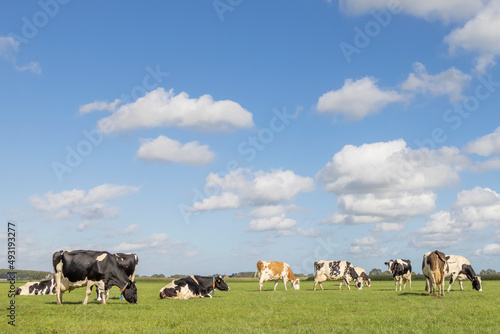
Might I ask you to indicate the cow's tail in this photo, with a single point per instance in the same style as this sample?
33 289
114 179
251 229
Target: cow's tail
259 268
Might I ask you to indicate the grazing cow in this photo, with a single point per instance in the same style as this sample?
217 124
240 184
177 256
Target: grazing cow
47 287
129 263
193 287
401 271
74 269
459 268
335 270
275 271
362 273
433 267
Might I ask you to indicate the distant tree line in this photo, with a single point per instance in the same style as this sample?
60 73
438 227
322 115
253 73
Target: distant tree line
27 275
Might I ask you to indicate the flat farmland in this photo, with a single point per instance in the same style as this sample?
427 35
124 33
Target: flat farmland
244 309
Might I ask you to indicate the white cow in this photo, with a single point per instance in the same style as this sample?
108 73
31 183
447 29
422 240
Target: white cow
459 268
362 273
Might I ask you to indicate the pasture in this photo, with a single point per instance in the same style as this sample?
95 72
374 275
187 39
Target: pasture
244 309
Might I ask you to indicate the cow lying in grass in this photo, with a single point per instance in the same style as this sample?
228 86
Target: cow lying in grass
193 287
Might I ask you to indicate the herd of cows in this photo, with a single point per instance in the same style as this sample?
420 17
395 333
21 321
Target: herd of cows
83 268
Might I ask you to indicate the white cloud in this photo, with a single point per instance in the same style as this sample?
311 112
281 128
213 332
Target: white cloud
391 167
387 181
158 243
274 210
155 240
9 48
99 105
489 249
271 223
86 224
388 227
367 246
486 145
479 35
444 10
475 210
160 108
168 150
134 228
253 189
357 99
88 205
219 202
449 82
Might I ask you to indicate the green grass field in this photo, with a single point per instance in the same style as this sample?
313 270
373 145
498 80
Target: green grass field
244 309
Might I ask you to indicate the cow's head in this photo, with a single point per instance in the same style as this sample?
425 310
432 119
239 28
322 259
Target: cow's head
130 292
477 283
389 265
296 284
220 284
368 282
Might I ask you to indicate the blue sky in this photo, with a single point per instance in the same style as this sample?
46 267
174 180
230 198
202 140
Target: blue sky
207 135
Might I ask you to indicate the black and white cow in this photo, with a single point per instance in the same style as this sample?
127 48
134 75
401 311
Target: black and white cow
128 262
193 287
459 268
401 271
362 273
335 270
47 287
74 269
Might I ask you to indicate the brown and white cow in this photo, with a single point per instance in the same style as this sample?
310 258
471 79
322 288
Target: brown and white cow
276 271
433 267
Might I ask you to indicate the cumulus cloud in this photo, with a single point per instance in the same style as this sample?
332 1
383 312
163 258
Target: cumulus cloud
486 145
134 228
479 35
158 243
271 223
444 10
387 181
9 48
243 188
99 105
489 249
357 99
367 246
388 227
476 209
167 150
89 205
449 82
160 108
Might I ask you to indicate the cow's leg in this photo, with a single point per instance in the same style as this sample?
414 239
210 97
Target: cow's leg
276 284
452 280
396 284
346 281
461 286
57 277
87 293
400 282
315 283
284 283
261 285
